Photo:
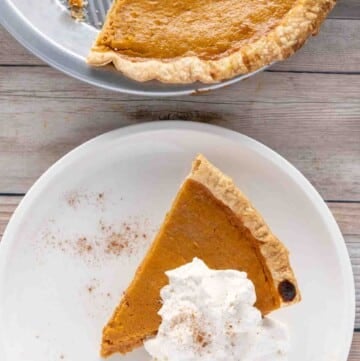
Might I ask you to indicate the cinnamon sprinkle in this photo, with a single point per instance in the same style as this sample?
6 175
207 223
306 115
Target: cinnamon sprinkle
111 240
83 245
200 337
124 240
93 285
75 199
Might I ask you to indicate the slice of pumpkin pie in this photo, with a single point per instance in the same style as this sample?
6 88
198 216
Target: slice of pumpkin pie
213 220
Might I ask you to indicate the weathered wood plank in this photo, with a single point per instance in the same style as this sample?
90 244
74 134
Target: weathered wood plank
346 9
11 52
328 162
267 87
353 246
346 214
7 208
311 119
335 49
355 349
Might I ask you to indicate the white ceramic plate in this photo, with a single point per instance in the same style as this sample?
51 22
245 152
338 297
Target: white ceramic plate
60 280
64 44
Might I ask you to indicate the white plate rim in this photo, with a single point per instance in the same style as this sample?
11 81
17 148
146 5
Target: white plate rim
256 146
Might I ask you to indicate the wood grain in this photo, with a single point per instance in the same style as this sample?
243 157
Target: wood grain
7 208
12 53
335 49
355 349
346 9
348 217
353 246
44 114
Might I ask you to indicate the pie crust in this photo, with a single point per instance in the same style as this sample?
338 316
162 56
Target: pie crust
303 20
274 253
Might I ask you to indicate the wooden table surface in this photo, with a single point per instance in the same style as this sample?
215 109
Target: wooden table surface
306 108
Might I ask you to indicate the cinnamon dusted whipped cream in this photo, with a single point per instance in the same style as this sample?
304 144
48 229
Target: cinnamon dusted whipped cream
209 315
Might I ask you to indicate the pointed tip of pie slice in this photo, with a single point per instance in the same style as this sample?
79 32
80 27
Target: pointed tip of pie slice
108 347
211 219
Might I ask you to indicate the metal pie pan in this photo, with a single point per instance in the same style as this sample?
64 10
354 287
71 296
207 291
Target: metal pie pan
49 32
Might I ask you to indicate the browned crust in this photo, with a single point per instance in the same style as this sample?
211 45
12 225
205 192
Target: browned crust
107 348
303 20
275 254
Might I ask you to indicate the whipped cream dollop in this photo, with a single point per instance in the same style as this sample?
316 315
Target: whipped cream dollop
209 315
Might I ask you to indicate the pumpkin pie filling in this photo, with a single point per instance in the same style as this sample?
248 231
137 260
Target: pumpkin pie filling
201 225
166 29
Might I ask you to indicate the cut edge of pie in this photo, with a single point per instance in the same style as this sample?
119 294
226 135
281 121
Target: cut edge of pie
303 20
274 257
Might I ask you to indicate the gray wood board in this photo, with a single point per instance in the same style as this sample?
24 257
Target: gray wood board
311 119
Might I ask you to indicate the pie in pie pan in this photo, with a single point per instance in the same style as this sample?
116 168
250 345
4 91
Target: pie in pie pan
183 41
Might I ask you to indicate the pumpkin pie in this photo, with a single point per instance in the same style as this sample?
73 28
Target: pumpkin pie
213 220
184 41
